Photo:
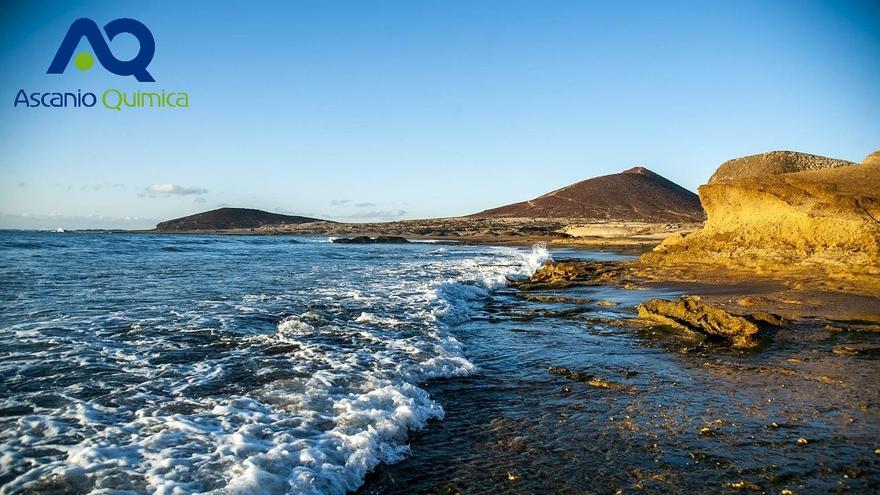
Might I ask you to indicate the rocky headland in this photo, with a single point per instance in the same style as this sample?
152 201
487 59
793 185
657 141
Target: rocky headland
738 355
789 236
231 219
791 233
815 228
774 163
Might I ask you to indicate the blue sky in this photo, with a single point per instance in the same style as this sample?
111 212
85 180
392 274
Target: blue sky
387 110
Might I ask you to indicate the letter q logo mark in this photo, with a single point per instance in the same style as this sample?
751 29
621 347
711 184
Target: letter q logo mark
87 28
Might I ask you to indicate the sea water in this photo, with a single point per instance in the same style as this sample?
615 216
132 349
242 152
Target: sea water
135 363
225 364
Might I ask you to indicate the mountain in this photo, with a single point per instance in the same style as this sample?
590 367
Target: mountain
231 218
773 163
636 194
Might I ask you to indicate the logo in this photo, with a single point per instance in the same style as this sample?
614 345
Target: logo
110 98
88 29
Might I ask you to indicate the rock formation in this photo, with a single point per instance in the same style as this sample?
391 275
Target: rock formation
565 273
872 159
363 239
634 195
824 223
230 218
689 314
773 163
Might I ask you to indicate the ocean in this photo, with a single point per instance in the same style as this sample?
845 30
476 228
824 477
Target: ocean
178 364
182 364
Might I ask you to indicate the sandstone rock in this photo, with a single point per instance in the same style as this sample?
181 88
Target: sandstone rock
362 239
823 224
773 163
872 159
690 314
555 274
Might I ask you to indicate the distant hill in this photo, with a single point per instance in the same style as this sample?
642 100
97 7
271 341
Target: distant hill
774 163
636 194
231 218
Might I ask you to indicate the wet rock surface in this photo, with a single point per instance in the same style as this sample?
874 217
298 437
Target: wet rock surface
690 314
583 377
567 273
363 239
799 414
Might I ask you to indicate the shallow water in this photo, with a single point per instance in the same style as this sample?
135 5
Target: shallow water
180 364
677 416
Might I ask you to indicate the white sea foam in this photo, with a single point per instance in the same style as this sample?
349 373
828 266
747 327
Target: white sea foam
316 416
378 320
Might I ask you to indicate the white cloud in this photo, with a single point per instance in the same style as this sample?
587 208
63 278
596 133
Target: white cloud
383 214
364 205
340 202
157 190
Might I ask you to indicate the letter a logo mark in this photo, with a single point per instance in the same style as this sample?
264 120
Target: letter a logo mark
86 28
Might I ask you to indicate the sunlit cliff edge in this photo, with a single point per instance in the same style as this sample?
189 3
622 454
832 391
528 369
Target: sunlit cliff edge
820 225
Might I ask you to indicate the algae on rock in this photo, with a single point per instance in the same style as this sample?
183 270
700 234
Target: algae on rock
689 313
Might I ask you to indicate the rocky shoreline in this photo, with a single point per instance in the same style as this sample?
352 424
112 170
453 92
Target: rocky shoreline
737 355
593 377
739 311
786 233
818 228
570 232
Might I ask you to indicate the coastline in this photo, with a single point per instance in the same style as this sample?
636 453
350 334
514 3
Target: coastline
567 232
792 294
574 392
440 248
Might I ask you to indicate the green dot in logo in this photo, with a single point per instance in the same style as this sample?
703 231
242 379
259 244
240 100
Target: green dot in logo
84 61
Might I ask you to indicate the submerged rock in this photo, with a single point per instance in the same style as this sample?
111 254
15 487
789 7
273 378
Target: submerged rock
857 349
587 378
363 239
555 299
689 313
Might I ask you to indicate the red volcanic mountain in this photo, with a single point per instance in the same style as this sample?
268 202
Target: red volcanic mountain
636 194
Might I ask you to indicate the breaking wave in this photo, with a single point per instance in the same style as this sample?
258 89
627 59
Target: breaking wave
297 372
